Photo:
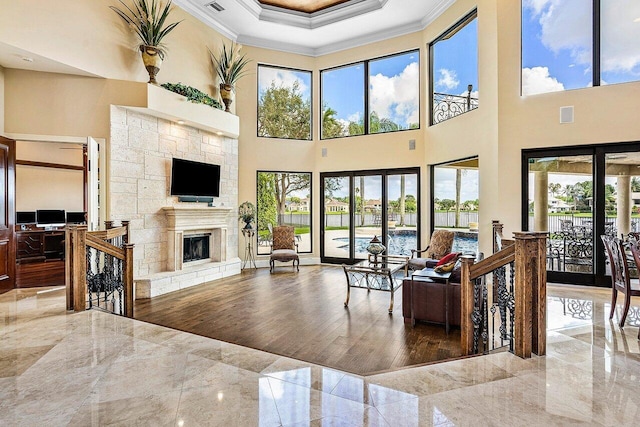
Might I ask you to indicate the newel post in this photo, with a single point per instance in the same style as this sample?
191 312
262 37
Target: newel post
79 271
497 233
530 327
68 265
467 304
128 279
127 226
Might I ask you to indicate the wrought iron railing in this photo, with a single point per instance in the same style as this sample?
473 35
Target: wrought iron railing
101 269
512 312
447 106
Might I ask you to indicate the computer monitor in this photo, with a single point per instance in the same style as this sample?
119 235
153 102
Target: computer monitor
26 217
50 217
76 217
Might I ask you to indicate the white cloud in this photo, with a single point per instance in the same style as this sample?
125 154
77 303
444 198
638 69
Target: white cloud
537 80
566 25
448 79
281 78
396 97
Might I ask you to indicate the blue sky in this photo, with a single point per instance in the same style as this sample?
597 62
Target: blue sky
284 77
445 184
455 62
557 40
394 89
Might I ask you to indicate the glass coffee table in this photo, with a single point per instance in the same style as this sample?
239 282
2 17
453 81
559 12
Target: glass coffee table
384 273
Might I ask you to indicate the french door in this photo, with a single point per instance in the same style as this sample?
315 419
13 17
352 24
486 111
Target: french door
577 195
358 205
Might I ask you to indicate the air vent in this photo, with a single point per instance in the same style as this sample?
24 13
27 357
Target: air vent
566 114
215 6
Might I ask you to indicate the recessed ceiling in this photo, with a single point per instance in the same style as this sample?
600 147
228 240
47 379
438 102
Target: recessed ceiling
305 6
333 25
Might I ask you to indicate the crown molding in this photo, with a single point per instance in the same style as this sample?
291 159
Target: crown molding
436 12
201 14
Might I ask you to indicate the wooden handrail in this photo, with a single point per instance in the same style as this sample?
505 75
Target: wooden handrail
528 254
78 240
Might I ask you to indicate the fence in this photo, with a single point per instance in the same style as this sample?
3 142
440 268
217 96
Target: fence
448 219
555 222
343 219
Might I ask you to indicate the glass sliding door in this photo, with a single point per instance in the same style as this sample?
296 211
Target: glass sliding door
336 225
560 201
402 213
577 195
369 215
362 204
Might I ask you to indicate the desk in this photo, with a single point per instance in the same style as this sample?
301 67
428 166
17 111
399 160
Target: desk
431 275
377 274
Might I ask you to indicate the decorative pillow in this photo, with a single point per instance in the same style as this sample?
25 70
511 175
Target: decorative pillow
448 267
448 258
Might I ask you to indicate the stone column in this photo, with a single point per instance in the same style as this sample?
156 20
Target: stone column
624 204
541 201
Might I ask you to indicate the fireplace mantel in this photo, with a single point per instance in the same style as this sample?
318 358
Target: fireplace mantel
184 220
194 217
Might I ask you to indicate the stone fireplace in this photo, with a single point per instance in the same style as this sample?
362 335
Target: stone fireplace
189 222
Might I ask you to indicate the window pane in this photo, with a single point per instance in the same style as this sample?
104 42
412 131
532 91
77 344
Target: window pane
402 211
337 219
284 198
284 103
455 72
394 93
556 45
619 35
343 101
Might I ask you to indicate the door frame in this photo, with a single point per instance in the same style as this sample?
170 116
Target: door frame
598 153
384 173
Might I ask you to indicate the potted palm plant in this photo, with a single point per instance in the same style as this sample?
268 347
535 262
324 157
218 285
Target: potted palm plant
147 19
230 67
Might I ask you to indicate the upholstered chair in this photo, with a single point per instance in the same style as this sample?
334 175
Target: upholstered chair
439 246
284 248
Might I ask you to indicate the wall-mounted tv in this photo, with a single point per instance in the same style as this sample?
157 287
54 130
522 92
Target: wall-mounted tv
50 217
189 178
26 217
76 217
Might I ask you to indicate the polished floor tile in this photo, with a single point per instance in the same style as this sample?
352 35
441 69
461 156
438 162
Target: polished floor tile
93 369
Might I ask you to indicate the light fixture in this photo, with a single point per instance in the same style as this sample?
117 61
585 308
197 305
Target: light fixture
215 6
219 133
637 19
27 59
180 122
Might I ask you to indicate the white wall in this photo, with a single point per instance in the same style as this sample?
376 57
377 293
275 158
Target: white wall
49 188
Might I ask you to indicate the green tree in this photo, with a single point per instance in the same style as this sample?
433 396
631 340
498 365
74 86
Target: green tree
554 189
287 183
331 127
447 204
376 125
267 211
635 184
284 113
410 203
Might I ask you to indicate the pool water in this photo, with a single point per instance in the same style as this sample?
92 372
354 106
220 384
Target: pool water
402 243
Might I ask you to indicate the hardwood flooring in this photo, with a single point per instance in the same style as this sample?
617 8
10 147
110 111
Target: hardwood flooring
302 315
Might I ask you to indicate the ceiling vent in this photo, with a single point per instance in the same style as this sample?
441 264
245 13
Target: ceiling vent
215 6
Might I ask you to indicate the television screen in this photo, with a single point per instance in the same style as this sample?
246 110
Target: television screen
26 217
190 178
50 217
76 217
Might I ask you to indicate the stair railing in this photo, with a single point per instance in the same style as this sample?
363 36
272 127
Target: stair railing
99 267
517 300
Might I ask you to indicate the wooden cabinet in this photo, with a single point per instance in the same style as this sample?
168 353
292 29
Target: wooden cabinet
39 257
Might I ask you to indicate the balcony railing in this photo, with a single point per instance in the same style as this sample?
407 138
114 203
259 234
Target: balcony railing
447 106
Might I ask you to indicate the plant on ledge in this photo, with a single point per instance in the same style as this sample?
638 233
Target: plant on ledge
193 94
148 22
230 67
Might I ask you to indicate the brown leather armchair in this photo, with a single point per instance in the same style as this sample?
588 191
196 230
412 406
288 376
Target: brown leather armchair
429 300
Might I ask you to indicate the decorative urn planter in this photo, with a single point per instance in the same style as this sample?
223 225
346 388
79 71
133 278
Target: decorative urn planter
225 94
152 61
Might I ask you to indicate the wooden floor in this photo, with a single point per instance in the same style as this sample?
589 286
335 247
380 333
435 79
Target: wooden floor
302 315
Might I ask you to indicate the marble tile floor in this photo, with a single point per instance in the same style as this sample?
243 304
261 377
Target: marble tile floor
94 368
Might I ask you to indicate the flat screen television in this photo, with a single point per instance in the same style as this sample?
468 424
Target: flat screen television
26 217
51 217
189 178
76 217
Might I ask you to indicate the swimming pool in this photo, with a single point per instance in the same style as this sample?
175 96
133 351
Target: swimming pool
401 243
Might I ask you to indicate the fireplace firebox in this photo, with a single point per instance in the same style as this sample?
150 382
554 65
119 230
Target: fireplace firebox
196 247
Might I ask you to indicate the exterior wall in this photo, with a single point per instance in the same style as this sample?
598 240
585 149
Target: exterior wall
141 150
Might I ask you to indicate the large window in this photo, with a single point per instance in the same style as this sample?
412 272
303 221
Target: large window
454 70
569 44
284 103
284 198
389 101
